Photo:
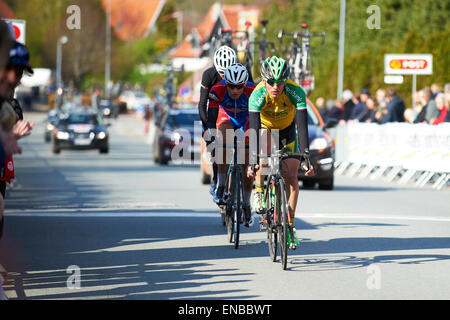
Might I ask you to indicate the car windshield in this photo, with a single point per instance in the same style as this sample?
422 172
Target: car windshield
312 118
180 119
82 119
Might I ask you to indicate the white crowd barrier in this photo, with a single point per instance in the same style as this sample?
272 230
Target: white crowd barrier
395 151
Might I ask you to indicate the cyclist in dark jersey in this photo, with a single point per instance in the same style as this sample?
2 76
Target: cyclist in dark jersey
223 58
228 106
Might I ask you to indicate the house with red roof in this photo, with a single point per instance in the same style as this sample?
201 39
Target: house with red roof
194 52
5 11
133 19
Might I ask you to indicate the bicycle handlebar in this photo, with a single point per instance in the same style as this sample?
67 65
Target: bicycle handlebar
283 154
296 34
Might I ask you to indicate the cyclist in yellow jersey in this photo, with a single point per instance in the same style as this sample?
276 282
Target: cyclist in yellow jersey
279 103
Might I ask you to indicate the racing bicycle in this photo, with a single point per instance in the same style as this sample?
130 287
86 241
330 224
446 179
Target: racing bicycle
232 211
276 219
300 60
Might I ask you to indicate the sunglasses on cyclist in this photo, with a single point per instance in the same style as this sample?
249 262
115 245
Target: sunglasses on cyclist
235 86
273 82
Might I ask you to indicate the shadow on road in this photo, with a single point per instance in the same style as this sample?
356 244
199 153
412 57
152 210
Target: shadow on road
165 257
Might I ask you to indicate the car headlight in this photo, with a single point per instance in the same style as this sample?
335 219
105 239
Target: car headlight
318 144
101 135
106 112
50 127
63 135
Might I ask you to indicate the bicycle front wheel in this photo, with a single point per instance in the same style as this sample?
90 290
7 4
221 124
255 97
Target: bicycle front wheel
281 209
237 208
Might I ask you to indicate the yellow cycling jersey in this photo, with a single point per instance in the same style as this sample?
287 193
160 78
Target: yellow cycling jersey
277 113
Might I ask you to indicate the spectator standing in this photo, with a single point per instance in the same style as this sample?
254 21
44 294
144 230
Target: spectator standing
320 105
436 89
395 108
447 101
336 113
431 112
349 104
426 98
380 96
441 107
369 116
360 108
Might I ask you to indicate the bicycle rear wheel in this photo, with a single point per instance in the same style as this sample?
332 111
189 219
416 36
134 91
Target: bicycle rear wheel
229 220
281 209
236 207
271 230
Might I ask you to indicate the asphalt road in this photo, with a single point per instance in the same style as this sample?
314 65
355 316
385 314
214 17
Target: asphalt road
127 229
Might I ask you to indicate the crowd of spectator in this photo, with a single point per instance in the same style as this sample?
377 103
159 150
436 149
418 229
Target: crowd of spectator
431 106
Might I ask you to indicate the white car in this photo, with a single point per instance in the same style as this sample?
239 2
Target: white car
135 100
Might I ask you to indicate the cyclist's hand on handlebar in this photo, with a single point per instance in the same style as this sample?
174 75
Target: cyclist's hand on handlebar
309 170
251 171
306 166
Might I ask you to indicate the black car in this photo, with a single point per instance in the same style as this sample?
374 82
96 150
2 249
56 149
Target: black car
107 109
171 128
80 130
52 119
322 153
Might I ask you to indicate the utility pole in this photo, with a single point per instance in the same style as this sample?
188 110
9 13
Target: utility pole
340 81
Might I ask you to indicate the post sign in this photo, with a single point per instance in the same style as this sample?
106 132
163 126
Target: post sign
408 64
17 28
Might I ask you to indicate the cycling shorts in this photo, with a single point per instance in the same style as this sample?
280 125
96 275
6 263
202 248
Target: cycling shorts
287 137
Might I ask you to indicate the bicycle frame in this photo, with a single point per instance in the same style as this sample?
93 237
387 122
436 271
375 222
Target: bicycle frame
277 214
234 197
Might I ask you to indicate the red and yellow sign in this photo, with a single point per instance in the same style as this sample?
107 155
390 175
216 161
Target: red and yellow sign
408 64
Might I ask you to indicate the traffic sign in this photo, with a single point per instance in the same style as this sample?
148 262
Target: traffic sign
393 79
408 63
18 28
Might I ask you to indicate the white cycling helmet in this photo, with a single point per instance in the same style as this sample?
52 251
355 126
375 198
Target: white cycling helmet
223 58
236 74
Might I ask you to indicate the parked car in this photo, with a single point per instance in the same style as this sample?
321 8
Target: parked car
135 100
80 129
107 109
322 155
171 128
52 119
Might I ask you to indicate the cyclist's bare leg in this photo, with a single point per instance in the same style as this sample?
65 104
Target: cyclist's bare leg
290 175
265 147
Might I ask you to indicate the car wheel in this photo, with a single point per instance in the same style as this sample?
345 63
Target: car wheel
156 153
308 184
164 161
48 137
327 184
104 150
56 149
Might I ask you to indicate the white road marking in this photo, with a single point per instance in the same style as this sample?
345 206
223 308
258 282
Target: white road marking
103 212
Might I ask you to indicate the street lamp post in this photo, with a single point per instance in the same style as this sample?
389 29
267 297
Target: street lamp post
62 40
108 49
340 81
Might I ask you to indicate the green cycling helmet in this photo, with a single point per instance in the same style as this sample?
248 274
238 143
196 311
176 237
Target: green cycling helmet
275 68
